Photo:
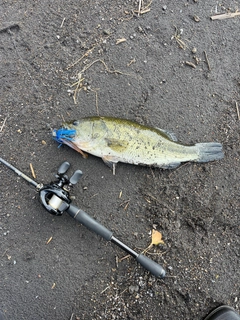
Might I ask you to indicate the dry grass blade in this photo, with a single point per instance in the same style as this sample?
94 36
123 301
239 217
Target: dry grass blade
177 37
208 64
83 56
49 240
225 15
96 99
79 83
120 40
238 114
190 64
106 67
4 121
141 9
32 171
87 52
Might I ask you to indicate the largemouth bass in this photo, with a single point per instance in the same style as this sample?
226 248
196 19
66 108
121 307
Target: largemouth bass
119 140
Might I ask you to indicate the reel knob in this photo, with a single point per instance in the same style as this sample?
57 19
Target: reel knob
63 168
75 177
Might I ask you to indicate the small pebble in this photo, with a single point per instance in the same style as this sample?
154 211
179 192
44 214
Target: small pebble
133 289
196 18
107 32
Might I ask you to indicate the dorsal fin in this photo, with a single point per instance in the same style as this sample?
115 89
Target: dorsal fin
171 135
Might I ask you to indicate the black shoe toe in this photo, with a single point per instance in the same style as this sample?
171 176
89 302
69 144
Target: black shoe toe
223 313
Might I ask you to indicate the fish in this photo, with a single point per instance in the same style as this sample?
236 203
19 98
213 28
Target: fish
121 140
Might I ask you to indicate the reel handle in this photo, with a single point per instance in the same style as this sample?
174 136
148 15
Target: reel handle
89 222
151 266
63 168
99 229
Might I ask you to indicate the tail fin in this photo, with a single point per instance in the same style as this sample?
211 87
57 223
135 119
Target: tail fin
209 151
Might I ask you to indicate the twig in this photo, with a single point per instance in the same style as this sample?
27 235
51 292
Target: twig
62 22
83 56
49 240
225 15
79 84
105 289
125 204
4 121
123 258
106 67
139 7
237 111
32 170
5 252
190 64
142 10
123 291
96 98
206 57
120 40
177 37
132 61
87 53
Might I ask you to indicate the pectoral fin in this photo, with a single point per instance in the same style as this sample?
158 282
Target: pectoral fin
72 145
111 162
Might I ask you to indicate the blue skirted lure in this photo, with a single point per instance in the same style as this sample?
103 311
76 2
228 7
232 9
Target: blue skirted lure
64 134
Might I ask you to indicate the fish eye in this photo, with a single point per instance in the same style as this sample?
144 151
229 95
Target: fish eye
75 123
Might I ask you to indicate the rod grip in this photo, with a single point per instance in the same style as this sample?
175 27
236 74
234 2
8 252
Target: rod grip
151 266
89 222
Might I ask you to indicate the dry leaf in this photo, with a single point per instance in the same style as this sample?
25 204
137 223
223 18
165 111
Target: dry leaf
156 238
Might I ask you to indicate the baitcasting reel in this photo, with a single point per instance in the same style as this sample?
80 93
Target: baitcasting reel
56 200
55 196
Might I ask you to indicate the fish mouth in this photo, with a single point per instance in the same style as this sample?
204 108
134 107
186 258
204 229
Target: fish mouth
66 136
63 134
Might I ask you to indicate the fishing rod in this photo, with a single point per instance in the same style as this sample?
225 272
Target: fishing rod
55 198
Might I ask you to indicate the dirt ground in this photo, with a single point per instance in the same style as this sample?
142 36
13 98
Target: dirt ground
170 66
